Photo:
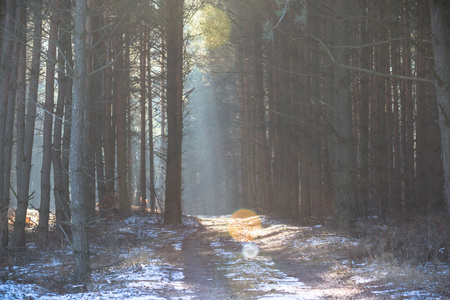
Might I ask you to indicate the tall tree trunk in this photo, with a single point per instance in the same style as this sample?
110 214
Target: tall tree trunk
22 133
381 65
174 34
93 93
364 114
264 175
430 179
408 119
440 31
151 141
121 125
66 48
313 62
163 102
108 124
44 209
61 189
340 142
396 173
130 177
18 237
26 120
5 79
274 63
99 62
142 166
78 148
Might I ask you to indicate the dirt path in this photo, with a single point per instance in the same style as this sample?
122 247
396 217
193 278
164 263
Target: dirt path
214 268
204 259
201 274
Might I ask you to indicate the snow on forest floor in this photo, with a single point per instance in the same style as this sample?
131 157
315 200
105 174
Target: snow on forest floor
207 258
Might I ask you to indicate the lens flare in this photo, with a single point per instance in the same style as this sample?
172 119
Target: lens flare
244 225
250 250
213 25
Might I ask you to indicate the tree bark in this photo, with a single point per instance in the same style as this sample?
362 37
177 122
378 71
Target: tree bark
340 141
44 209
151 141
61 190
18 237
5 79
78 148
174 34
142 166
430 179
121 125
440 32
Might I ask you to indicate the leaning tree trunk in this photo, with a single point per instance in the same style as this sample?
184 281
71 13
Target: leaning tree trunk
78 147
440 32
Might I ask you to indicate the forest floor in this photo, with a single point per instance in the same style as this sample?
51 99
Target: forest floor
222 257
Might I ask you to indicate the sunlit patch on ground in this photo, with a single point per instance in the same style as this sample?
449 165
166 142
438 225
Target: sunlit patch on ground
244 225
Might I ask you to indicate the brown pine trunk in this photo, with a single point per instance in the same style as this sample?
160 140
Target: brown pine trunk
396 172
340 141
57 140
430 179
130 178
364 116
5 79
121 126
44 208
79 149
66 48
264 175
381 64
19 52
61 188
174 34
408 120
163 146
440 31
26 120
109 122
93 94
150 133
276 123
142 167
313 61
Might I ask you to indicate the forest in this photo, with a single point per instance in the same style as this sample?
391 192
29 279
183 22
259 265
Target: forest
324 113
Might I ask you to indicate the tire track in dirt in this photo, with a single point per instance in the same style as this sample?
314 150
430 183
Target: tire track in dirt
200 270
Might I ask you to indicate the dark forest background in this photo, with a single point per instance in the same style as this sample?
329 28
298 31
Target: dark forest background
316 111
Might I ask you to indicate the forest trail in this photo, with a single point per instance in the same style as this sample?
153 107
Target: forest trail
215 267
200 271
212 258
